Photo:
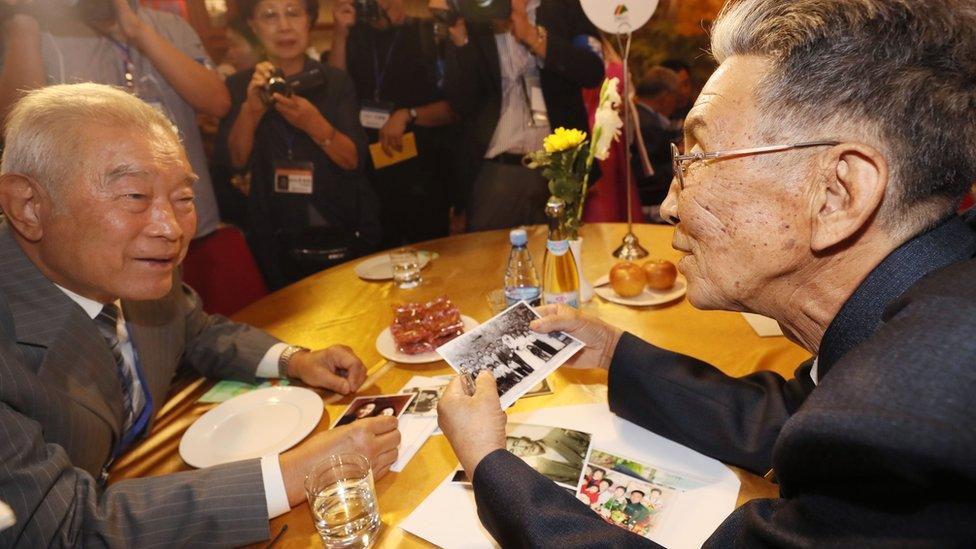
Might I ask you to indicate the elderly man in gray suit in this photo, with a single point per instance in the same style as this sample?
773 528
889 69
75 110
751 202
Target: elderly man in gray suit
97 194
822 167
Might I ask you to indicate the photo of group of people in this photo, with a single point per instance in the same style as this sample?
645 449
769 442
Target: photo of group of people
628 493
517 357
374 406
558 454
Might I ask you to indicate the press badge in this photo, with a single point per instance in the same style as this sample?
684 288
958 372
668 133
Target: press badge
374 114
293 177
535 99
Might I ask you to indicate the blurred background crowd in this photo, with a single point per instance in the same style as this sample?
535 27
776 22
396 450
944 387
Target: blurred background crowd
323 130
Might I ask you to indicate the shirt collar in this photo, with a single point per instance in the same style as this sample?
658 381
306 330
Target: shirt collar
91 307
861 315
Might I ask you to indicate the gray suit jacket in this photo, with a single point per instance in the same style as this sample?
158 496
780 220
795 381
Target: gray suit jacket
61 412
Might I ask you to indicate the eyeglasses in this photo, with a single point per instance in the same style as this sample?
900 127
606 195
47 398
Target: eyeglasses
292 13
680 162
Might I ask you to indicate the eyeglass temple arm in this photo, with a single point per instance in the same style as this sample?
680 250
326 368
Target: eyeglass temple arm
755 150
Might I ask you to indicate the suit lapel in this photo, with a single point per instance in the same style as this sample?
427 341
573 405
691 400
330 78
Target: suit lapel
77 359
152 340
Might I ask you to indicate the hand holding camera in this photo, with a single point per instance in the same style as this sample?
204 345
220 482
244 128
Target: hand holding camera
255 102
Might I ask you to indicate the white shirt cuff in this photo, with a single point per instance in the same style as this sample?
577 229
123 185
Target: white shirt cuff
268 367
274 487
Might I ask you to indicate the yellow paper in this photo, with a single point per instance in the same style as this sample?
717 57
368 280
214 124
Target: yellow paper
380 158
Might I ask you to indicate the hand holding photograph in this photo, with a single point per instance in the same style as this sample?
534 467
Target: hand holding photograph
516 356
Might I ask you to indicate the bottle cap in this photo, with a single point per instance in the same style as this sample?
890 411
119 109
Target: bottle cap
518 237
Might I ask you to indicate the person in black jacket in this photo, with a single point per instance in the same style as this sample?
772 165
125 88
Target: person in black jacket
513 82
309 199
819 188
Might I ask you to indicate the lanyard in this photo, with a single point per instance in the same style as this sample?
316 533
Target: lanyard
289 134
128 66
380 75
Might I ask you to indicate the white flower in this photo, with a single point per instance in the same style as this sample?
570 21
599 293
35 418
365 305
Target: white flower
606 121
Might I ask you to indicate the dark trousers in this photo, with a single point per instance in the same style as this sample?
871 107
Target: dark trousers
505 196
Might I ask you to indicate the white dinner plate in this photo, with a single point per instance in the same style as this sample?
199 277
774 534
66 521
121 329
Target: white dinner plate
379 266
643 299
255 424
387 347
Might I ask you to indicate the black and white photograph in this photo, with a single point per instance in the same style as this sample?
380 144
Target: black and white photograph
556 453
517 357
375 406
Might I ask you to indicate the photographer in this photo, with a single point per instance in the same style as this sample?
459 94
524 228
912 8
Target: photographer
515 72
392 60
154 55
309 204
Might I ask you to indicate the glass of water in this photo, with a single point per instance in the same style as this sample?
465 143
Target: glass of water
343 500
406 267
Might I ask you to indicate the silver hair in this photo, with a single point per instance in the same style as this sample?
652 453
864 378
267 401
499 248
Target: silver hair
47 130
900 74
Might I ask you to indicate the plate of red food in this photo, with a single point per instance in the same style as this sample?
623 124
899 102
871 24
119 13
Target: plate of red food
418 329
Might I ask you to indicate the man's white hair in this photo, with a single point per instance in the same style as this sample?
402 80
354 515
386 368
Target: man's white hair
48 130
900 74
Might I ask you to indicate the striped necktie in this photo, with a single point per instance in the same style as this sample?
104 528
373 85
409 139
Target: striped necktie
108 324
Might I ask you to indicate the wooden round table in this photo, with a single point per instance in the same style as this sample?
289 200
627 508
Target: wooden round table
335 306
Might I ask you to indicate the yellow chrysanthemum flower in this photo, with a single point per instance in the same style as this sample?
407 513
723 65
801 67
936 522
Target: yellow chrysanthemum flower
563 140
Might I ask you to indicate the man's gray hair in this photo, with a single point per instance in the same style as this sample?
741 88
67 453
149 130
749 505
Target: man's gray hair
47 130
900 73
657 80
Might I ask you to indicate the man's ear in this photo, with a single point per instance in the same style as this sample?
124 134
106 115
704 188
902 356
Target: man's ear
22 200
850 192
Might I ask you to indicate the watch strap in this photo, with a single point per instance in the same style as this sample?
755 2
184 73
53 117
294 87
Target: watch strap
285 359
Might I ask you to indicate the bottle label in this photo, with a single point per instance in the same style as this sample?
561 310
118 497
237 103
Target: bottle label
566 298
524 293
557 247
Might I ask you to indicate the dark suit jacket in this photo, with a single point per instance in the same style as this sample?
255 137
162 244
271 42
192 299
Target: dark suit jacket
879 453
657 141
472 79
61 412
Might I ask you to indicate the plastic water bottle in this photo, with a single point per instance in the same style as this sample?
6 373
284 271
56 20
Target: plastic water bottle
521 278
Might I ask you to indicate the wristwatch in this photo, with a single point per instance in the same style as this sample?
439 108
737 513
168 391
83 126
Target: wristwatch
413 114
285 359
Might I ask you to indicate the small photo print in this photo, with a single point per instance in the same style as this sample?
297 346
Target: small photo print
558 454
375 406
516 356
425 400
628 493
540 389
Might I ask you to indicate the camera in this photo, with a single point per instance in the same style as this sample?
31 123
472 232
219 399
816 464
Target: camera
482 11
296 84
367 10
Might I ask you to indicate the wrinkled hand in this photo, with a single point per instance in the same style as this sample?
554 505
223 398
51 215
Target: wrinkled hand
474 425
253 102
376 438
297 111
336 368
600 338
391 134
344 15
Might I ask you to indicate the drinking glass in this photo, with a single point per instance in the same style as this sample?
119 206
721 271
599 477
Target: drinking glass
343 500
406 267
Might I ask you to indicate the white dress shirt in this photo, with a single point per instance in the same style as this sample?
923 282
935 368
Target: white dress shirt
515 132
274 483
